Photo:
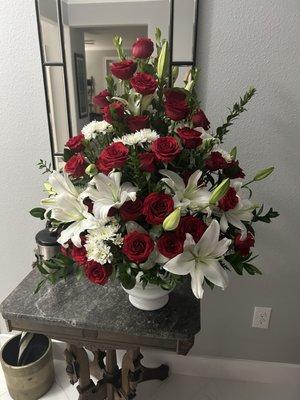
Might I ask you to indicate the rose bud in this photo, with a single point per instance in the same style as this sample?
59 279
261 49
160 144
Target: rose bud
144 83
76 143
176 106
123 69
101 99
142 48
170 245
243 246
97 273
172 220
147 161
199 120
113 112
137 122
190 137
76 165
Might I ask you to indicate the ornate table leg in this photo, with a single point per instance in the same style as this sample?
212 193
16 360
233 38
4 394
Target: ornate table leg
133 372
78 368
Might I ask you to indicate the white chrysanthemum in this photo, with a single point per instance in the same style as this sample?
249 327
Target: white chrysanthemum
98 250
91 130
139 137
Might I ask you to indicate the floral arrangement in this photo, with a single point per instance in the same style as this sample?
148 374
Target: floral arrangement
149 190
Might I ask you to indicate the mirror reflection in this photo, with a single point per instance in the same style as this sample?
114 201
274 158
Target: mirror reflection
88 32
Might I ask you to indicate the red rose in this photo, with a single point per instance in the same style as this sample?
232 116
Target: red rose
190 137
176 106
170 245
165 148
112 156
156 207
192 225
215 161
229 201
147 161
76 143
199 120
97 273
76 165
131 210
137 246
101 99
78 254
243 246
123 69
233 170
142 48
137 122
144 83
113 112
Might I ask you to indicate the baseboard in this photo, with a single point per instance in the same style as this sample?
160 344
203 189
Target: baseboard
210 367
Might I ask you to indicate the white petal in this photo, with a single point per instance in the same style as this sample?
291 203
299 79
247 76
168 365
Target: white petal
221 248
181 264
132 226
197 279
193 179
223 223
62 184
177 180
213 271
209 239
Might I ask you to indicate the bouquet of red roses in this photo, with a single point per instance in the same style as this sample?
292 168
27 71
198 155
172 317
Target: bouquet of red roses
148 191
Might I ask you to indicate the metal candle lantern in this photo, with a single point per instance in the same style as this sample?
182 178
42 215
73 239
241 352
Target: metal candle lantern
47 246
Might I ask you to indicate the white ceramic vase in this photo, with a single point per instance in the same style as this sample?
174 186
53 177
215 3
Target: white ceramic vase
150 298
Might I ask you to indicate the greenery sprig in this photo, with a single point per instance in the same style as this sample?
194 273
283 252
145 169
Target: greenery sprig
237 109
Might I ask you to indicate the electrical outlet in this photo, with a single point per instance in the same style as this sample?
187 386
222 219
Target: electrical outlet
261 317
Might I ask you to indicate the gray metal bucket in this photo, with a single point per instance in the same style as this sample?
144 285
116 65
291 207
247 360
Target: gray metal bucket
33 380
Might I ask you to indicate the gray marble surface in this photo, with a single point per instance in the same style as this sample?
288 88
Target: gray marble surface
81 304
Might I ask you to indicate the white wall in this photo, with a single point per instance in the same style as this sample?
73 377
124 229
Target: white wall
257 42
241 43
24 139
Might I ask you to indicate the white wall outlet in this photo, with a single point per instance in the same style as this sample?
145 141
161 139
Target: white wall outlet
261 317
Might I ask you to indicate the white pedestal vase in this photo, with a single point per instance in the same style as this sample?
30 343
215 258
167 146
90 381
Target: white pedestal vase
150 298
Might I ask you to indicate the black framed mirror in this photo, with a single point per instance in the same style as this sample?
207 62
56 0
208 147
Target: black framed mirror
75 55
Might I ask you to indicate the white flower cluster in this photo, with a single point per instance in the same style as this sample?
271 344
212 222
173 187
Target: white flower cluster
91 130
96 242
139 137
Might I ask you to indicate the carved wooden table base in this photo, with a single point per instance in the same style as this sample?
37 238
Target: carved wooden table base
114 383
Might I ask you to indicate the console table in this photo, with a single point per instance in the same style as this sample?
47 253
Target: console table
101 319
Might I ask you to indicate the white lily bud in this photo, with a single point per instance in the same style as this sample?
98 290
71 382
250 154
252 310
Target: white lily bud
91 170
172 220
263 173
219 191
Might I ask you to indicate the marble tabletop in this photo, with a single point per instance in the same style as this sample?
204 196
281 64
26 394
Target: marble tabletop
81 304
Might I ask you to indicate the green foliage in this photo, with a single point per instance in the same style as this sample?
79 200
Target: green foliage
237 109
43 165
38 212
118 42
126 276
240 263
159 277
264 218
59 267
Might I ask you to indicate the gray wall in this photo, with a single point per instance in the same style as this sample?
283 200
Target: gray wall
257 42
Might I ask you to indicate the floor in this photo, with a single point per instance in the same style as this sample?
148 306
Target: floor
179 387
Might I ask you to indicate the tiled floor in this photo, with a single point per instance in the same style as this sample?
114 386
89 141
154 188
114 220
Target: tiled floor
178 387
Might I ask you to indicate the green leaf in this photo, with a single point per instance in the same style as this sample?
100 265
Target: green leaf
68 153
42 270
265 218
262 174
38 212
39 285
128 281
251 269
233 153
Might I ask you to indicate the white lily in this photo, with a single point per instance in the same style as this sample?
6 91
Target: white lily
108 192
66 206
241 212
200 260
189 196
